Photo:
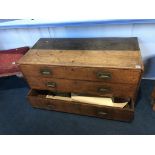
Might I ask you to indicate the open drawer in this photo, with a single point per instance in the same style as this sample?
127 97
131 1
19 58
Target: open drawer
38 99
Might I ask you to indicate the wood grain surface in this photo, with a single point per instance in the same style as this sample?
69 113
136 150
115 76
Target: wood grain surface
85 58
83 87
128 76
122 114
106 43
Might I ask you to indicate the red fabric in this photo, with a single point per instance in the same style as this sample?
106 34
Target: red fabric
8 59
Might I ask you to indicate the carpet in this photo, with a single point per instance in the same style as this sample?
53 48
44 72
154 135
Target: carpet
17 117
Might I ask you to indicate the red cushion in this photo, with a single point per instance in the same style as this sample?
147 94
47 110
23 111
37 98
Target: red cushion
8 59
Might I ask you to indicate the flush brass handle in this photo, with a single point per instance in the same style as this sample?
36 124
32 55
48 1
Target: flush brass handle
51 84
45 71
102 113
104 75
50 106
104 90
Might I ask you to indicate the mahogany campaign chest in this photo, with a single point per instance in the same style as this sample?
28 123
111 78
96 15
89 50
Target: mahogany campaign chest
98 67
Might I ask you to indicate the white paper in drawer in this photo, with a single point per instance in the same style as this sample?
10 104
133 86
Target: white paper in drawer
90 100
98 101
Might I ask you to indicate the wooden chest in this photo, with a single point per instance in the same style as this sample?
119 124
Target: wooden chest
99 67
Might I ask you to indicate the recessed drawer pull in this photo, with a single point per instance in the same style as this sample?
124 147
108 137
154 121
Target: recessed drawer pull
46 71
51 84
104 75
102 113
104 90
50 106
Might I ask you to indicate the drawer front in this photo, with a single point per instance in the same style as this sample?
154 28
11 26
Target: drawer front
83 73
82 108
83 87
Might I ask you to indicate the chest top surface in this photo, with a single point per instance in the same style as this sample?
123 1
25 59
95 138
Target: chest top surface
86 52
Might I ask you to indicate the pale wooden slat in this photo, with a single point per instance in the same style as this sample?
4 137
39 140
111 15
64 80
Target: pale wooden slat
87 58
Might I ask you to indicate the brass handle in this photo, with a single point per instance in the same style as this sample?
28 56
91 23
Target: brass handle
50 106
104 75
45 71
102 113
104 90
51 84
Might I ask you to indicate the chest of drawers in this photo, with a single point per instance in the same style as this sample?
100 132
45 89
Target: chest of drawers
100 67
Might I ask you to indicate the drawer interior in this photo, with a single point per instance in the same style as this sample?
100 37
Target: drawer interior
43 94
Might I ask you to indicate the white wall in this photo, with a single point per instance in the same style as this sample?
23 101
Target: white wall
13 38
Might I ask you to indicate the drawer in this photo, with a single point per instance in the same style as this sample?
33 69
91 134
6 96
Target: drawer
109 75
83 87
38 100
